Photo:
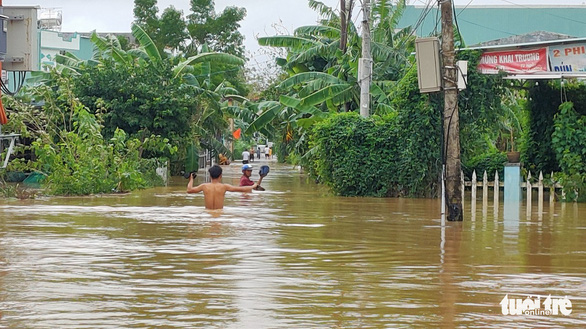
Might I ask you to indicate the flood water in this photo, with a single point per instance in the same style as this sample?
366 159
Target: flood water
293 256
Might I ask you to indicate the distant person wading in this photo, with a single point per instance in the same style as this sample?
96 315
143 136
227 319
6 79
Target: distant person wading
245 156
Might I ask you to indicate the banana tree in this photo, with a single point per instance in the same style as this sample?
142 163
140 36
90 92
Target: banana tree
323 75
192 76
316 49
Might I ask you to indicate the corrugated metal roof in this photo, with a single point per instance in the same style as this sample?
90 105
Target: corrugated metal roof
479 24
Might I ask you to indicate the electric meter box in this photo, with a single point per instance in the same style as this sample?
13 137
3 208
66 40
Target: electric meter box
3 25
22 38
427 54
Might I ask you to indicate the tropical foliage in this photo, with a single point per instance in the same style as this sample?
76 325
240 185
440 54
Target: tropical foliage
322 66
322 82
124 106
395 155
181 89
147 92
356 156
69 150
569 144
546 98
481 128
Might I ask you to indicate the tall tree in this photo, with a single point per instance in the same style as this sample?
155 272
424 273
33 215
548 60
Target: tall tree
168 32
173 30
218 31
145 14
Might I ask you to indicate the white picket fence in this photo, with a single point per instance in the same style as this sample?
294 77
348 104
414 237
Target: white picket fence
541 185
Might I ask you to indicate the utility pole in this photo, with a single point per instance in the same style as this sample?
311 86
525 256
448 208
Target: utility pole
451 117
365 63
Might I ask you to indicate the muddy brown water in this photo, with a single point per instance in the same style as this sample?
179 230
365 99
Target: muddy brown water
293 256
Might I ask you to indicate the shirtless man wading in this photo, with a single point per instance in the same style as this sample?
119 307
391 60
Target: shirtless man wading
214 192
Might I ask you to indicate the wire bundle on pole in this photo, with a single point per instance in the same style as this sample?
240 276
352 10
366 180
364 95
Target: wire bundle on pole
18 77
3 118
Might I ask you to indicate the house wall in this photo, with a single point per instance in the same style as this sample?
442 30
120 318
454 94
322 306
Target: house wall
54 42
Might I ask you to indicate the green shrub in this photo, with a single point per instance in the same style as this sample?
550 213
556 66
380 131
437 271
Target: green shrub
350 157
569 144
358 156
64 142
490 162
83 163
569 139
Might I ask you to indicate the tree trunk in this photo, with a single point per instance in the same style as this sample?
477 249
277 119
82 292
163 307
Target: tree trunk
343 26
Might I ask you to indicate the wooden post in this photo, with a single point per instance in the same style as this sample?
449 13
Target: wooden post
474 186
451 116
484 195
496 194
231 140
344 18
462 187
540 193
485 187
551 192
529 195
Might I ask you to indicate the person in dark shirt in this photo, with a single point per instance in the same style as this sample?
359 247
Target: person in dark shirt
245 179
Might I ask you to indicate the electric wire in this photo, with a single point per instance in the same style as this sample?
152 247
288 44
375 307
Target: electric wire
548 13
468 4
437 21
456 18
445 151
18 83
422 16
512 3
488 28
457 25
515 4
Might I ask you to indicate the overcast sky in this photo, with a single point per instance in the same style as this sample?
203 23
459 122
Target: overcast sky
117 15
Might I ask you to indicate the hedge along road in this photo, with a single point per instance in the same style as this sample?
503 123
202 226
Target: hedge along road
293 256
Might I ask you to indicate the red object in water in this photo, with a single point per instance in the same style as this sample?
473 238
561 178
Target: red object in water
3 118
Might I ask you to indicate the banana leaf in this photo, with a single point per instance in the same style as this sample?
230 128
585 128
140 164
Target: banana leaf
148 44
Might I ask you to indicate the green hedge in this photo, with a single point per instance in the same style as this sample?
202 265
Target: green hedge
546 98
353 155
359 156
395 155
569 145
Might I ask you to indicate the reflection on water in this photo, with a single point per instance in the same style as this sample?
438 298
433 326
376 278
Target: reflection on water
293 256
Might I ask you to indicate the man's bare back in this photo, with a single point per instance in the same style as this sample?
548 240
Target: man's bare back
214 192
